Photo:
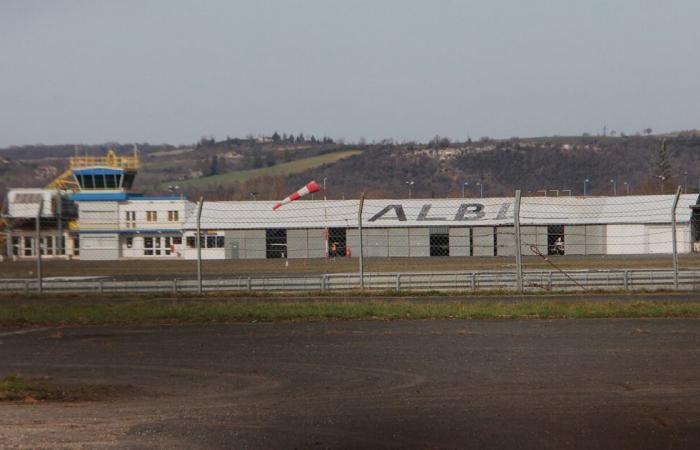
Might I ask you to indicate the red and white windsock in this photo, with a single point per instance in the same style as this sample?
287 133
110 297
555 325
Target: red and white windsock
311 187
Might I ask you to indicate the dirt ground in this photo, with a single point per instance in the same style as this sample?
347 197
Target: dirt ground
609 383
168 269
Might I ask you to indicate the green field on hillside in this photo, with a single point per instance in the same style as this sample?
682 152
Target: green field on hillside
283 169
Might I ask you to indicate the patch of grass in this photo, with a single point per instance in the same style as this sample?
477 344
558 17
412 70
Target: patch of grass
288 168
266 311
15 388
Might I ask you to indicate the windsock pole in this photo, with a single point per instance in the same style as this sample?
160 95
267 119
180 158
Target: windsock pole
310 187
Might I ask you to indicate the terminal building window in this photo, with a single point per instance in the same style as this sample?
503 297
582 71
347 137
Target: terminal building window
130 219
149 246
276 243
47 245
173 216
151 216
205 241
439 242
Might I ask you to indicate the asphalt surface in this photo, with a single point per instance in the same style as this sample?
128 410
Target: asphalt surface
611 383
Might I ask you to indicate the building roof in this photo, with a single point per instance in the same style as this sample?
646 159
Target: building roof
648 209
115 196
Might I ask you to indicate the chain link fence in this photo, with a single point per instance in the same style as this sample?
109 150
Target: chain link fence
516 244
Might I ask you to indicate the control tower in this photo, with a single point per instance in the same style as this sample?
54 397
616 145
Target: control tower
99 174
88 178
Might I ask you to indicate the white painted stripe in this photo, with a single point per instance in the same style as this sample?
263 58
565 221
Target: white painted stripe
32 330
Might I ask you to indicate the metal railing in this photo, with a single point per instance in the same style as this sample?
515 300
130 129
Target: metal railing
533 281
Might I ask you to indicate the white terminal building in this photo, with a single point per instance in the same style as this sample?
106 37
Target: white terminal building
89 213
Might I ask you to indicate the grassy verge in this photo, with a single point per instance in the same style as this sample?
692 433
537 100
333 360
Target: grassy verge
141 312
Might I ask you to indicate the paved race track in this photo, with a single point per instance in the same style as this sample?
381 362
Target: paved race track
404 384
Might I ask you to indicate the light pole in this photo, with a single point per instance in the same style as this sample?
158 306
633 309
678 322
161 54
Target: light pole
481 188
324 185
585 185
627 187
410 186
685 182
466 183
614 185
662 178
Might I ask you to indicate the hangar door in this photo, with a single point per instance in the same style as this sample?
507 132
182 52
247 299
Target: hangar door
276 243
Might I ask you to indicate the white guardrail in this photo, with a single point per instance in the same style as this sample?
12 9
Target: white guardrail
578 280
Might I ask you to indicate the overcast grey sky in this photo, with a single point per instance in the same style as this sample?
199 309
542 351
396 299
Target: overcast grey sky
175 70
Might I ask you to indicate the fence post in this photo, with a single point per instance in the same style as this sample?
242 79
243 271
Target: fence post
626 279
58 245
362 250
518 249
675 238
398 282
199 244
174 285
37 246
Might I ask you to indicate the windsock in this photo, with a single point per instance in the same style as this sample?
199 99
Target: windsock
311 187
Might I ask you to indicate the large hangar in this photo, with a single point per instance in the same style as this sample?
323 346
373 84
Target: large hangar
443 227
